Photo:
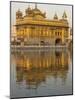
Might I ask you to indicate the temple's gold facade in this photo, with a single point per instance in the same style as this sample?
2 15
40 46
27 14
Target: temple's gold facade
35 29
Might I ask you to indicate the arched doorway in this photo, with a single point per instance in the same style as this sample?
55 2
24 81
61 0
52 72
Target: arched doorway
58 41
42 42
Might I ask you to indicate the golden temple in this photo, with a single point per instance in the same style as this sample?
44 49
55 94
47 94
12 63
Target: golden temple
34 28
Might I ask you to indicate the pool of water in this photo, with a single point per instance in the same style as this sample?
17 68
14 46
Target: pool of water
40 73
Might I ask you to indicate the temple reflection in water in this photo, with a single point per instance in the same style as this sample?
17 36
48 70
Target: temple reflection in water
34 67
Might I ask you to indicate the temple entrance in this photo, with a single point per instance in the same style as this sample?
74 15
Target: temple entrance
42 43
58 41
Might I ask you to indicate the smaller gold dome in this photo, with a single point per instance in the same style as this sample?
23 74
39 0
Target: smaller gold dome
28 9
18 12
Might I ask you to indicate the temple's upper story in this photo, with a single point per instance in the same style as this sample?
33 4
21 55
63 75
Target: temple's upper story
31 13
37 17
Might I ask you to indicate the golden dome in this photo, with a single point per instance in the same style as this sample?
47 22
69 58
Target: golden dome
18 12
36 10
28 9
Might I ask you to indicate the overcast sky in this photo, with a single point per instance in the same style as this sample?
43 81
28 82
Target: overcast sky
50 10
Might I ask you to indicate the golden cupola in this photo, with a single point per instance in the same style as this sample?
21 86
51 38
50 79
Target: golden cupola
18 14
37 13
29 11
